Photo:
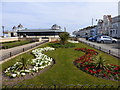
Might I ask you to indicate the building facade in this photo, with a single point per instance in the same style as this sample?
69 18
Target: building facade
107 24
86 32
115 29
99 27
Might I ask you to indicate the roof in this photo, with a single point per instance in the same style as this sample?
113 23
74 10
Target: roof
40 30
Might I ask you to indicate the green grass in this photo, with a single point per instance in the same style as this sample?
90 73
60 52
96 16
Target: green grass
6 45
64 71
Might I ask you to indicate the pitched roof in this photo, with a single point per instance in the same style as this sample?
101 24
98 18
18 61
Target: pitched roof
109 17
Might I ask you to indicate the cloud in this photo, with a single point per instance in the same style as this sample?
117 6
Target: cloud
73 15
60 0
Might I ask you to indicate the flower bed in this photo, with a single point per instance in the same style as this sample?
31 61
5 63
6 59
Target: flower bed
40 62
87 64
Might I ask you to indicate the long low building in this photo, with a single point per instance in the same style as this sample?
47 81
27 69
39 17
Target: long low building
52 33
39 32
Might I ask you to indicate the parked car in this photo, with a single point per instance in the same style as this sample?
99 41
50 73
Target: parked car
114 40
103 39
94 38
87 38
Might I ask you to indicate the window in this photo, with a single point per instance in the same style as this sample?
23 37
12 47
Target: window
116 31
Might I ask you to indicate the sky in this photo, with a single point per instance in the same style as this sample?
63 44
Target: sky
42 15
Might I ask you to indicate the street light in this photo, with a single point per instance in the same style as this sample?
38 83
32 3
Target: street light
3 30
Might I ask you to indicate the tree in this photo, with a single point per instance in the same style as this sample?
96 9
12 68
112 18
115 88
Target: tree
64 37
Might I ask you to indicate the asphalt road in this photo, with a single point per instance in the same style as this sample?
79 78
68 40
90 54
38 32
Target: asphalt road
114 47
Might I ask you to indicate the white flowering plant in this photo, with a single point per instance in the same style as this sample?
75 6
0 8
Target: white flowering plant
40 62
71 41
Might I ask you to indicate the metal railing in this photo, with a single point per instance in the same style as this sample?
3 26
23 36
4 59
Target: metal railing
103 49
15 52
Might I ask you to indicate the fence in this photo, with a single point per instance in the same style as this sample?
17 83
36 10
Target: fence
59 87
103 49
15 52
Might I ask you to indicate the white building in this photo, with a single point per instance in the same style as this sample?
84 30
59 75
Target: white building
115 29
86 32
107 24
100 27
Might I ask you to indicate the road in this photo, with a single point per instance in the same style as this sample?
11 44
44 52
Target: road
114 48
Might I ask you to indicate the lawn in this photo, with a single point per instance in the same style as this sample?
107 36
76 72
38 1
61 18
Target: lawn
64 71
6 45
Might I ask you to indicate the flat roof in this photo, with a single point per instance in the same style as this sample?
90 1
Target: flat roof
40 30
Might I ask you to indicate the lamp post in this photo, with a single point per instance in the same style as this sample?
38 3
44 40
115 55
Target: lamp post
3 30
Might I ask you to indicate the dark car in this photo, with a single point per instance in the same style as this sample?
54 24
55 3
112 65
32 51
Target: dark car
94 38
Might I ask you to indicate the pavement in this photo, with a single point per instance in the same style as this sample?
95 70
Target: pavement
5 52
114 48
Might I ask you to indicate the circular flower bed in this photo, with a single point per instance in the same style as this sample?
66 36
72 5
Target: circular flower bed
88 64
40 62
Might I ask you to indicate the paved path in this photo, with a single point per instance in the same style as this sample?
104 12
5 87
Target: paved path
105 47
6 53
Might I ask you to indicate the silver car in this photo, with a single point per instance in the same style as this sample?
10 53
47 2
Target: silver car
104 39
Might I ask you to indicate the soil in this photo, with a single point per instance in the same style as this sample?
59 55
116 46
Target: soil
13 81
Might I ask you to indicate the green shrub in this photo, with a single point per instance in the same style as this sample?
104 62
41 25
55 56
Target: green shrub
58 45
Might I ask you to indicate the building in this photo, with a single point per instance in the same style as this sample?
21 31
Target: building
38 33
107 24
20 32
115 29
86 32
99 27
13 32
55 27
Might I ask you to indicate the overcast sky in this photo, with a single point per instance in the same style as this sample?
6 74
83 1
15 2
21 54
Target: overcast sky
72 15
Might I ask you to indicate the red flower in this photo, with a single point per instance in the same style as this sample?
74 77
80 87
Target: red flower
104 75
94 72
108 71
115 72
116 68
90 71
93 67
99 70
86 69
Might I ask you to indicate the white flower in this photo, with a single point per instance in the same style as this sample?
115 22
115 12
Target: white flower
27 71
13 75
6 71
22 74
73 41
18 73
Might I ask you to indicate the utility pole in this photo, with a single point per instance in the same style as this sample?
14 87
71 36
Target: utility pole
92 21
3 30
64 29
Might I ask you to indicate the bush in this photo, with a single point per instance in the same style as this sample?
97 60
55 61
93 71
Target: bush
58 45
64 37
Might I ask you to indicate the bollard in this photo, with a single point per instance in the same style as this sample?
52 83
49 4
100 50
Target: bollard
99 48
109 51
10 54
23 49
